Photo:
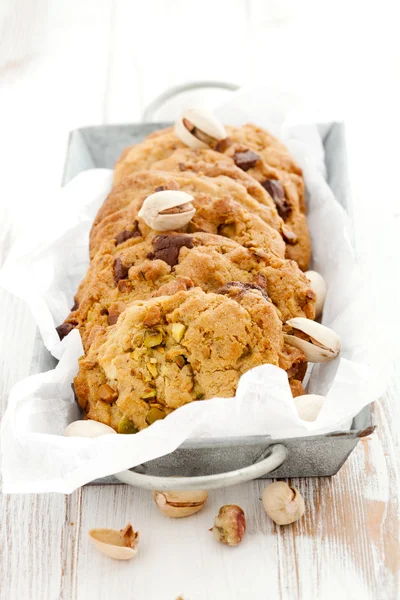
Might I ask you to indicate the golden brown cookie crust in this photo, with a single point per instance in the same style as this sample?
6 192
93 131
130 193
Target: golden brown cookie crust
138 268
171 350
251 150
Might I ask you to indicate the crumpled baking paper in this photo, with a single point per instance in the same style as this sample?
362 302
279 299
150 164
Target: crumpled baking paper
45 270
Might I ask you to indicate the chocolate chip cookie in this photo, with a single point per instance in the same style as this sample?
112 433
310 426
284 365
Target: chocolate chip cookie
172 350
253 151
119 211
165 263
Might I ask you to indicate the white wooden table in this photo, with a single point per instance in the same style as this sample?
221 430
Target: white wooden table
96 61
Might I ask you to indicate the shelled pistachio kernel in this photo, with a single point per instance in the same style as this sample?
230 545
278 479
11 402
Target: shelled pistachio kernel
152 369
150 393
178 330
126 426
153 338
107 393
154 414
229 525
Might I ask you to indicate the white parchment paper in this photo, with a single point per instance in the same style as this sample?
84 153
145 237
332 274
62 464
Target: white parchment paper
46 268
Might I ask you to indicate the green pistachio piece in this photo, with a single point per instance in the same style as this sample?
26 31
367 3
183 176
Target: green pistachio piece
126 426
152 369
150 394
152 338
180 361
154 414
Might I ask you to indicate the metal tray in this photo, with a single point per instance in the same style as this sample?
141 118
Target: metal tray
233 459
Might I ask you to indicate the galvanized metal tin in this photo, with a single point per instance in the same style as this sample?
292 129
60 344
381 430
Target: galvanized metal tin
313 456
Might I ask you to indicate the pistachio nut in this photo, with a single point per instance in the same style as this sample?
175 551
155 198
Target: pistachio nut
177 504
87 428
118 544
126 426
229 525
319 343
318 285
199 128
283 504
167 210
155 414
309 406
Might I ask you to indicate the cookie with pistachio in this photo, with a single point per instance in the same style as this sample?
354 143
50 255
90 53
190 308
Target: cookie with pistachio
120 208
143 267
172 350
249 149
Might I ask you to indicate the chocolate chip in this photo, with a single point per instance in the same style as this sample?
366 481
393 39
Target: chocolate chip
120 271
182 166
167 247
64 329
160 188
246 160
104 311
75 306
223 145
241 288
277 192
127 235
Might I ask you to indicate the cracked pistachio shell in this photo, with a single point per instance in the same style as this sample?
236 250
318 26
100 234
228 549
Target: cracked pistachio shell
118 544
87 428
318 285
199 128
324 343
178 504
155 210
309 406
283 504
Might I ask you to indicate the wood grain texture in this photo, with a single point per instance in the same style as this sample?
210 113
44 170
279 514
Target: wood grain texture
103 61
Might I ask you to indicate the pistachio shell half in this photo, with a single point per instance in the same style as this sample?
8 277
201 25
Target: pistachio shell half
118 544
318 285
199 128
309 406
177 504
320 344
87 428
167 210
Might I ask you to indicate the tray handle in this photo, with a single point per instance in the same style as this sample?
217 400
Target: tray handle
148 113
277 454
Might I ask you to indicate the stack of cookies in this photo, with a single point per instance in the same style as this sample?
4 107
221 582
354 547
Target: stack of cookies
196 276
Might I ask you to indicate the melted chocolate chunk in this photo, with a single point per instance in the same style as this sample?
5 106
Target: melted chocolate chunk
167 247
127 235
120 271
64 329
160 188
241 288
246 160
276 190
75 306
